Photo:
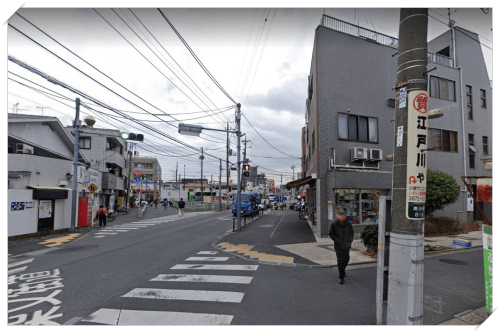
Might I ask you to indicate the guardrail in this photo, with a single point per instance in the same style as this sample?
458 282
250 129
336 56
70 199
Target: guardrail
247 218
199 206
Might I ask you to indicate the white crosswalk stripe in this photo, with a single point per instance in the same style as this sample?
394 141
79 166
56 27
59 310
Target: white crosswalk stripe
176 287
203 278
18 263
141 317
207 259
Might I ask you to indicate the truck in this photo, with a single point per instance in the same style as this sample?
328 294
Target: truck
249 203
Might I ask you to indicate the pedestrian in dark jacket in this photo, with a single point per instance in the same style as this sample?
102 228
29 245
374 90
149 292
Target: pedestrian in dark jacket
101 214
181 207
342 234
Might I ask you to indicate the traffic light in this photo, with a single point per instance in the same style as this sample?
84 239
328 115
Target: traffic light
246 171
132 136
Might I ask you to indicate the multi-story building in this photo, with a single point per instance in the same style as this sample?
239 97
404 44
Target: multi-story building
107 153
349 132
151 180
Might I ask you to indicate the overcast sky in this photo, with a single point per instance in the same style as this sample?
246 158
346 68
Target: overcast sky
261 64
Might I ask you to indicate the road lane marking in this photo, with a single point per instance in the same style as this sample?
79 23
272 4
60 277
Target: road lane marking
124 228
203 278
17 270
207 259
120 230
218 267
141 317
187 295
21 262
207 252
107 233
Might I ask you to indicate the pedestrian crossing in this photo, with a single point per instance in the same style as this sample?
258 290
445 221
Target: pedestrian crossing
12 270
116 229
184 283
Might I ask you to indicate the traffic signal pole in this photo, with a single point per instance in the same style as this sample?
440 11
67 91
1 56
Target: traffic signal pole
406 252
238 134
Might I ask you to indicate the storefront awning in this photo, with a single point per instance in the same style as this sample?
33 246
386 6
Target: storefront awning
299 182
49 187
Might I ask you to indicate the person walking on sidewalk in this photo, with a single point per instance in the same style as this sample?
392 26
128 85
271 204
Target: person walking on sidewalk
165 203
342 234
181 207
101 214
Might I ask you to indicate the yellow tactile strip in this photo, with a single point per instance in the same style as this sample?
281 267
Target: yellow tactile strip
245 249
59 240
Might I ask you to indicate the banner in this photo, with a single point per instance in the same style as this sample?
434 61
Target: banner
488 266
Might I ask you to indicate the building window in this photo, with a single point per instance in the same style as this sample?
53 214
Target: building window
485 145
443 140
442 88
483 98
313 142
84 143
472 160
358 128
468 97
139 165
471 139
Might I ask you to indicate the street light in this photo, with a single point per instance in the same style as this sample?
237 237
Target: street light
193 130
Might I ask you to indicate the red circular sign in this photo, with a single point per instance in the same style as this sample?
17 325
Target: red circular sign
230 181
137 173
420 102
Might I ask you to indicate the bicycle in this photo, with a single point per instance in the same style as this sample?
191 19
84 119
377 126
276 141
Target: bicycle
122 211
112 216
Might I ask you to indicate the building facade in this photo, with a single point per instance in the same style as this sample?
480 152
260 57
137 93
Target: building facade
150 185
349 133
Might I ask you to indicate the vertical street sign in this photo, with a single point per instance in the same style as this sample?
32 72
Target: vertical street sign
488 266
416 172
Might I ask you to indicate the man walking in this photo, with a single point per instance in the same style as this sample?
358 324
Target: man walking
342 234
101 214
181 207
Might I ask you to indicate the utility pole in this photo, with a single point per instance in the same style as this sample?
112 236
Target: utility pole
227 163
177 179
406 252
293 178
129 173
238 134
220 179
42 107
184 180
76 128
201 158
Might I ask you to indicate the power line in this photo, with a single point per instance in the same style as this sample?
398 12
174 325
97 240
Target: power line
196 58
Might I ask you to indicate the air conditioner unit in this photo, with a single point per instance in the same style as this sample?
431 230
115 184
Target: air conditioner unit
375 155
358 154
22 148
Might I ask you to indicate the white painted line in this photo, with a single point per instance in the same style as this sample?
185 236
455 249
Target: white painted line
207 252
99 236
120 230
72 320
16 270
203 278
267 226
187 295
143 223
128 228
21 262
108 233
218 267
141 317
207 259
134 226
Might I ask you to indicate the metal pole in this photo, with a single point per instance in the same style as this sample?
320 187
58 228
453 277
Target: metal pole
129 174
227 164
220 185
238 134
201 174
177 180
76 127
406 252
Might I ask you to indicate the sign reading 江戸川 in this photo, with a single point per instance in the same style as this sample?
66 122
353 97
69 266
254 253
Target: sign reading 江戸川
416 172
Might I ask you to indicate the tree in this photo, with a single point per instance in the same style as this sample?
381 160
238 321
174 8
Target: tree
442 190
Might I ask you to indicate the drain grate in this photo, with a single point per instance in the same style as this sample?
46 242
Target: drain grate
453 262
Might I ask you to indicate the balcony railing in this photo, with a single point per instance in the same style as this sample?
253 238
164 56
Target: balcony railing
439 59
354 30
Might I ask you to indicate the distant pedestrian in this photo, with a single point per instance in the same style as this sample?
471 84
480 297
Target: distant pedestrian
342 234
171 202
101 214
181 207
156 203
165 203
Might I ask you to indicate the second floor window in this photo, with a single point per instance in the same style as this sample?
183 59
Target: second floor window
442 140
358 128
468 94
485 145
84 143
442 88
313 142
143 165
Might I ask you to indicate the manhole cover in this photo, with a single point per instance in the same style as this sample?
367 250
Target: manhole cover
453 261
74 248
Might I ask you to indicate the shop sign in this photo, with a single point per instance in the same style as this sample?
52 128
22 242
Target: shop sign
403 94
484 190
488 266
416 172
330 210
137 173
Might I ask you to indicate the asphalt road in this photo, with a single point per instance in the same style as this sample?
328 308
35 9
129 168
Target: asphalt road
165 271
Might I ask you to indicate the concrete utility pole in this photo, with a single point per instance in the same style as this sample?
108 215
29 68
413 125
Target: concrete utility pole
220 179
177 180
238 135
201 158
129 173
184 180
406 252
76 128
244 159
227 163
